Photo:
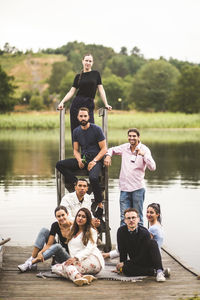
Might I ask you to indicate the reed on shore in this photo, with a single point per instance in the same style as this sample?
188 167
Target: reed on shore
116 120
115 136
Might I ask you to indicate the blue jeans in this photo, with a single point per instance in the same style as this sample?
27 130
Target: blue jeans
56 249
133 199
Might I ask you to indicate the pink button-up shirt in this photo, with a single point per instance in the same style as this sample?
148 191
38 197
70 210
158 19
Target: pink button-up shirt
132 166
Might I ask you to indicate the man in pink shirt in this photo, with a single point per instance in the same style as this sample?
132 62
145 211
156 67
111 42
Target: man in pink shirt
135 158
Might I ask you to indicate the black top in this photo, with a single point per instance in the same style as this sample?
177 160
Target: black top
88 140
55 229
88 83
133 243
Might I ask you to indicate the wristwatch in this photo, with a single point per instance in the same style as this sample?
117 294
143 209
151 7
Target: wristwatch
95 160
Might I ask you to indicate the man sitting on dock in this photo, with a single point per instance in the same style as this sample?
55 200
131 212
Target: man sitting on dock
78 199
90 138
135 158
134 241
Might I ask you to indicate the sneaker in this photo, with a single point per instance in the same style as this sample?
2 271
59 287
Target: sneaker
160 277
89 278
81 281
167 272
26 266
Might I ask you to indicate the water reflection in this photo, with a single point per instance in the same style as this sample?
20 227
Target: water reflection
37 157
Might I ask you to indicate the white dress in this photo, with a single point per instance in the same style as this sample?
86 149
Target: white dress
89 258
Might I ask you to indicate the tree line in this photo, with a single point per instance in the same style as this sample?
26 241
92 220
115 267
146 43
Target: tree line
130 80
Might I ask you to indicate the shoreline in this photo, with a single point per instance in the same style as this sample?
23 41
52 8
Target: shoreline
143 120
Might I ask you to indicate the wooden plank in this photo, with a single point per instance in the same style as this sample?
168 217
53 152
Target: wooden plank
1 256
15 285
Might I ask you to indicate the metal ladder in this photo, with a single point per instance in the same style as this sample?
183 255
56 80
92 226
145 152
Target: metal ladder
83 173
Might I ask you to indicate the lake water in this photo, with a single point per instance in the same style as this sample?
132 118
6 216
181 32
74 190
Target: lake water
28 192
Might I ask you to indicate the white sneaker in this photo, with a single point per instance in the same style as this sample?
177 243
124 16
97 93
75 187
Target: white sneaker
160 277
27 265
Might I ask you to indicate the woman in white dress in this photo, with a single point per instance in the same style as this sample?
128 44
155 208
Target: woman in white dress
86 259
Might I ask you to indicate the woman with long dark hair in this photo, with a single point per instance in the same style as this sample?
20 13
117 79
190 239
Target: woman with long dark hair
86 83
86 259
153 215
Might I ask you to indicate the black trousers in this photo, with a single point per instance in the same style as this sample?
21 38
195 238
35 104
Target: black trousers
67 166
147 264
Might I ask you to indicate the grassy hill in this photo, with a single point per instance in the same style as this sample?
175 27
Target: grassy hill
31 71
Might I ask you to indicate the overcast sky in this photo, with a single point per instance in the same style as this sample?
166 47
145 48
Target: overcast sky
169 28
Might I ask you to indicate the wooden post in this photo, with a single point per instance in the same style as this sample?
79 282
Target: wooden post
104 114
59 176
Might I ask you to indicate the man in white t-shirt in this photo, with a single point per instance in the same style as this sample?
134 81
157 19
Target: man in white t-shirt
78 199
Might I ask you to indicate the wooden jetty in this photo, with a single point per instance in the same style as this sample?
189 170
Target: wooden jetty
26 286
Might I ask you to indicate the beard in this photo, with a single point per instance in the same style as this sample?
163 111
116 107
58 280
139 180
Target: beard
83 122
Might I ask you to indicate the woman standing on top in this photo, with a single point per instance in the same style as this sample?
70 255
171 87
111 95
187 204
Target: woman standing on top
87 82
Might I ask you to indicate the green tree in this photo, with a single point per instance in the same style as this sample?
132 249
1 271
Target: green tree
101 55
187 93
26 96
124 51
59 70
118 65
75 51
65 86
7 102
136 51
123 65
180 65
36 103
153 86
47 98
114 87
134 63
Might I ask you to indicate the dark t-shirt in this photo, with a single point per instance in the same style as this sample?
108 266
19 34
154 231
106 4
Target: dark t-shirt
55 229
88 83
88 140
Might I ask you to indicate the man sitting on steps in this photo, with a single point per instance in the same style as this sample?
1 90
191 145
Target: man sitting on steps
90 138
